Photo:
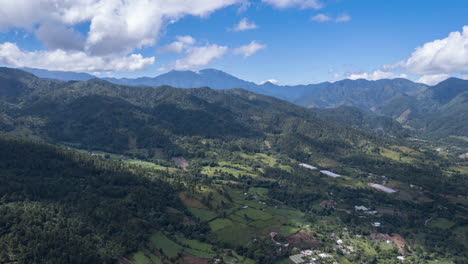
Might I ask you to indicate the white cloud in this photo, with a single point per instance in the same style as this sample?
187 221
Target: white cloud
343 18
12 55
200 56
442 56
273 81
182 43
117 27
376 75
243 6
433 79
244 24
321 18
326 18
249 49
315 4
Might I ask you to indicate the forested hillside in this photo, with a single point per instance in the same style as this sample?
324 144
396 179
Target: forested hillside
58 206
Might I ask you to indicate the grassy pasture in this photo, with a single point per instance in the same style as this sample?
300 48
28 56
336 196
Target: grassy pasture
236 235
442 223
140 258
254 214
148 165
202 213
220 223
168 247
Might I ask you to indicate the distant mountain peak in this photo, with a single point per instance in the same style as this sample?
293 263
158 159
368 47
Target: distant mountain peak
59 75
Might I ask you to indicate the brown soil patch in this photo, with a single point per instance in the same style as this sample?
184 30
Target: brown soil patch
399 241
232 182
190 201
172 210
404 196
303 240
424 199
181 162
124 261
396 239
187 221
190 259
327 203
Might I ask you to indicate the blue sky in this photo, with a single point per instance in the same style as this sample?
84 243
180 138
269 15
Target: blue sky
291 41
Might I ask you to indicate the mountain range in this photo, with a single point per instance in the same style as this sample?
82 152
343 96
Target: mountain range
438 111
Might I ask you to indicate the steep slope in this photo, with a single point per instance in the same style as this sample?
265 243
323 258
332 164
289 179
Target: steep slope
358 118
148 120
14 84
57 206
439 111
361 93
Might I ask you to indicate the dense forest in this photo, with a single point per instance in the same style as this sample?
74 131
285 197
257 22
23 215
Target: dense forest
58 206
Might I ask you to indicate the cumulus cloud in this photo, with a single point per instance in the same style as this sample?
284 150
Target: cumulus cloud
442 56
117 27
433 79
343 18
182 43
249 49
376 75
315 4
11 54
244 24
321 18
200 56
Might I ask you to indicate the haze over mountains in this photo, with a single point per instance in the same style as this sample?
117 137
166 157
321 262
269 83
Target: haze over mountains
435 109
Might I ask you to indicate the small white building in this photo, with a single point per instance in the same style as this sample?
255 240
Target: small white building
360 208
329 173
382 188
307 166
325 255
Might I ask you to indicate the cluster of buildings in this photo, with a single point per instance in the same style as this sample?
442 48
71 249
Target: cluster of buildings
310 257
